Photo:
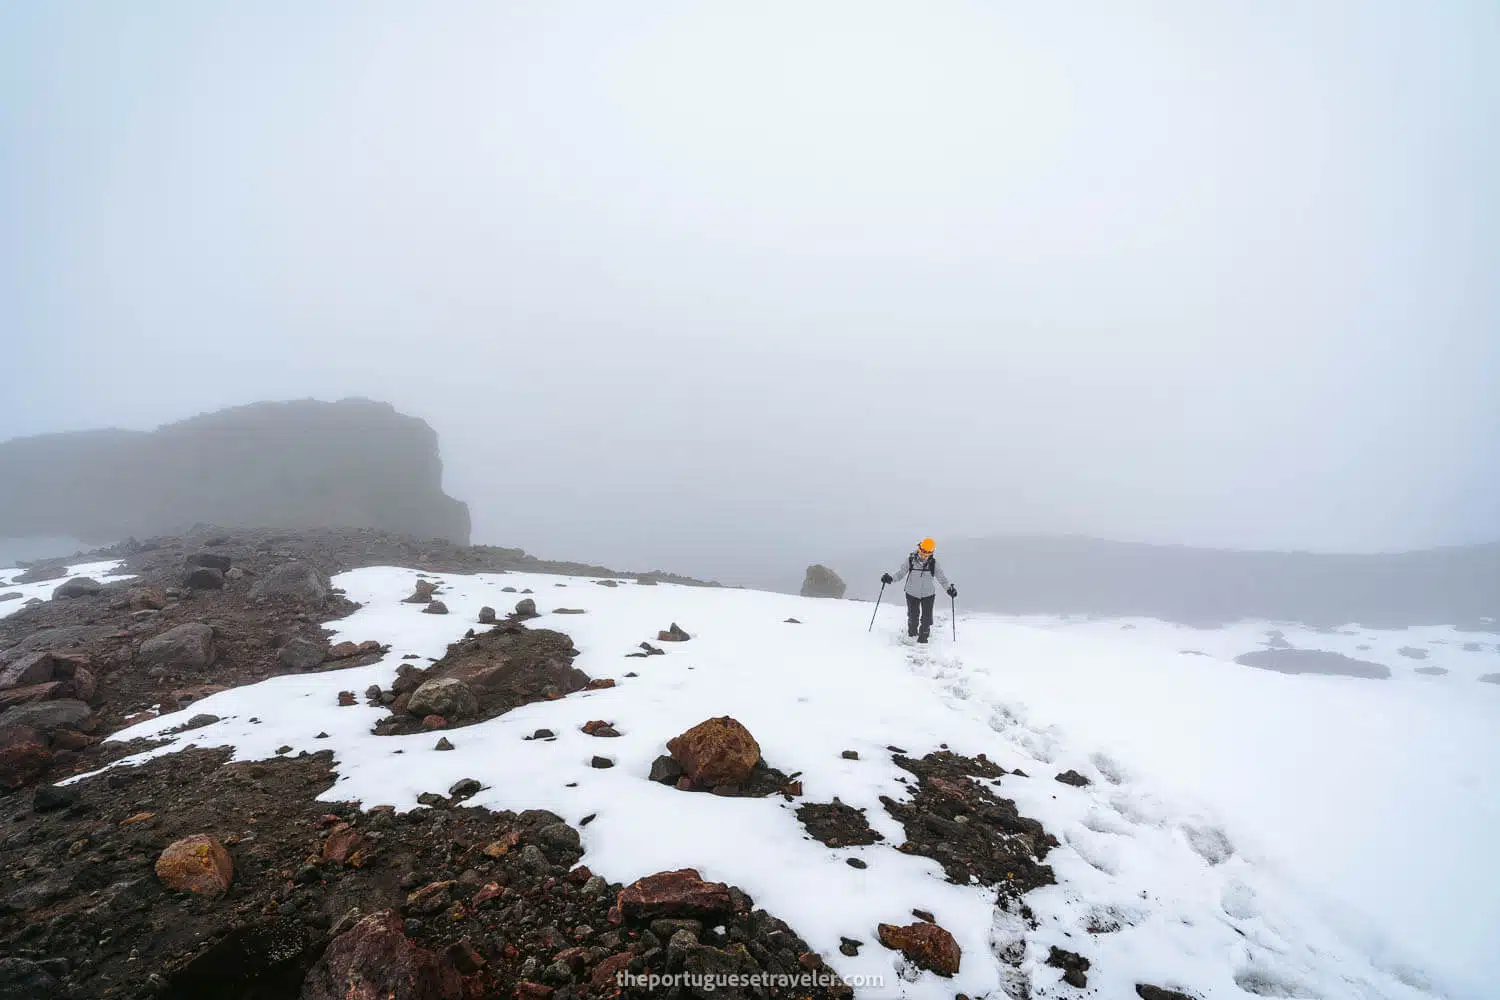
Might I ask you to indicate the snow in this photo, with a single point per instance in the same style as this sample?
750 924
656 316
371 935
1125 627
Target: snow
104 572
1247 832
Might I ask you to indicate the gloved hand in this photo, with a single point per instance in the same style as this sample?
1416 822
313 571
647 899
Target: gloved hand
887 578
952 590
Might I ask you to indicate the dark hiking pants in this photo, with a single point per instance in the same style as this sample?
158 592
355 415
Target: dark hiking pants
924 605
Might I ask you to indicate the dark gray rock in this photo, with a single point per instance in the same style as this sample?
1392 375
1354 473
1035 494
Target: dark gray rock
79 586
559 838
22 979
1313 661
526 607
435 608
49 797
204 578
666 769
47 715
213 560
486 615
302 653
821 581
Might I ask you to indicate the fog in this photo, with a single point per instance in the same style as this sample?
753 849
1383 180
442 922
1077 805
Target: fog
726 288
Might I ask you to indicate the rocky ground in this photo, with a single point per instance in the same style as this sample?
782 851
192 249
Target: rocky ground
191 877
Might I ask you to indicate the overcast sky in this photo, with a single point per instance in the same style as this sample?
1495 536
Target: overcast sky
700 285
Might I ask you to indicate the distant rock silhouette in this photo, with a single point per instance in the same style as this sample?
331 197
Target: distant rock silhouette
821 581
303 464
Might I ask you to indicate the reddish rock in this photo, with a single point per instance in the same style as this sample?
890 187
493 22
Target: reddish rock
491 890
434 722
673 634
928 946
68 739
605 977
398 707
32 693
527 990
343 650
22 764
197 864
12 736
188 695
375 960
346 699
370 646
431 898
343 843
599 683
719 750
680 893
502 846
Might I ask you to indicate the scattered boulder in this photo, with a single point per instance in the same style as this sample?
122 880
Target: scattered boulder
22 763
716 751
204 578
79 586
375 960
146 599
602 763
526 608
211 560
293 581
1073 778
1073 965
666 769
435 607
926 945
446 696
680 893
673 634
302 653
197 864
486 615
189 646
51 797
821 581
422 593
1148 992
600 728
443 744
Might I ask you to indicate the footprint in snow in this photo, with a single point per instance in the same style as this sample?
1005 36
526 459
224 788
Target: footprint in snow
1209 842
1112 770
1239 902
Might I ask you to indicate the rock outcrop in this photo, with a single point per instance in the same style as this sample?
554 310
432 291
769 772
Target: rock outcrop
354 463
821 581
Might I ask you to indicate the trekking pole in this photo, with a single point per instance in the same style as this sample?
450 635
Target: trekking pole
953 615
877 608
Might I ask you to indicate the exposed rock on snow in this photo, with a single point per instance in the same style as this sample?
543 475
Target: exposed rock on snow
716 751
445 696
927 945
820 581
1313 661
673 634
79 586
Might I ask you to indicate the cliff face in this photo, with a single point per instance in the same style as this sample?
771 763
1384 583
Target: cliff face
303 464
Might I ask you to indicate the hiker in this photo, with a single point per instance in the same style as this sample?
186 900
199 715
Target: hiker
920 570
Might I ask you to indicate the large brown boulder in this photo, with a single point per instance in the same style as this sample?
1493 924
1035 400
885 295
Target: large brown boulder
47 716
716 751
375 960
928 946
79 586
681 893
197 864
189 646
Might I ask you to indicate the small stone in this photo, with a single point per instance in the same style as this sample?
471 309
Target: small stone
465 788
856 863
849 946
1073 778
526 608
486 615
601 762
850 755
443 744
435 608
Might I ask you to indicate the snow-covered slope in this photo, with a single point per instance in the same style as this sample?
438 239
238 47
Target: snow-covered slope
1247 832
104 572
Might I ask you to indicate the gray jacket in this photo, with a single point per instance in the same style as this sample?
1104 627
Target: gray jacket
919 583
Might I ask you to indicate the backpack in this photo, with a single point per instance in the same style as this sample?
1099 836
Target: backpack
924 566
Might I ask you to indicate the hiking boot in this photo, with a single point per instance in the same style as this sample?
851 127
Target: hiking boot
922 637
911 633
